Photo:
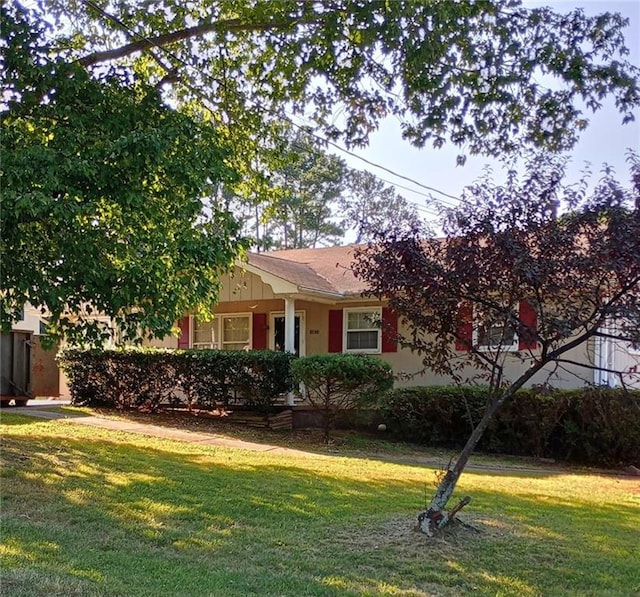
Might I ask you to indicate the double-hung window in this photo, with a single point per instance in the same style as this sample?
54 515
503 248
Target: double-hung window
362 330
511 331
205 333
499 334
236 332
224 332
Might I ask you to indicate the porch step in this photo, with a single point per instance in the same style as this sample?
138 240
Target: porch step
283 420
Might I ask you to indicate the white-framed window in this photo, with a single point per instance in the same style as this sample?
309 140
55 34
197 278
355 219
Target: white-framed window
499 334
205 333
362 331
235 331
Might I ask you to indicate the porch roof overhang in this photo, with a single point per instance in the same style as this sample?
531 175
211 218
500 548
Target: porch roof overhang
286 288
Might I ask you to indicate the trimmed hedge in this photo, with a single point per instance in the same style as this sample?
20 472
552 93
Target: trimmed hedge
207 378
597 426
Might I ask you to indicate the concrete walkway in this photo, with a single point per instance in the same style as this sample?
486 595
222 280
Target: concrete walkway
39 409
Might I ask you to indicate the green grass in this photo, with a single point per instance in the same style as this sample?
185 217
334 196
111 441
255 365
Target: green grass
91 512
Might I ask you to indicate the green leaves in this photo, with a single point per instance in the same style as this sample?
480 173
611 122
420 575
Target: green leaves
455 72
108 145
102 204
341 381
207 379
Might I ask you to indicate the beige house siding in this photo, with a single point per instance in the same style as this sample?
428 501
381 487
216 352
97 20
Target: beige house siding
406 364
409 368
244 286
166 342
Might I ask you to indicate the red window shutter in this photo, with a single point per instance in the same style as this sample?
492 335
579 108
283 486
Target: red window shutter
464 331
185 332
335 330
259 332
528 326
389 330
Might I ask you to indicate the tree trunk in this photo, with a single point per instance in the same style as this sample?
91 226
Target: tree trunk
257 214
435 517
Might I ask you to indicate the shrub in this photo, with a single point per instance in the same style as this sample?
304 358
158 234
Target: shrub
338 382
206 378
602 427
529 425
118 378
597 426
262 376
439 415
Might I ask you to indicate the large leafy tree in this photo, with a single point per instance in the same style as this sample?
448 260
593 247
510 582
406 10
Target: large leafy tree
316 199
511 267
102 199
471 73
474 73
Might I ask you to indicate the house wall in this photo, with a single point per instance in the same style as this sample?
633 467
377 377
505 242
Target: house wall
245 292
30 321
627 360
241 285
166 342
316 316
409 365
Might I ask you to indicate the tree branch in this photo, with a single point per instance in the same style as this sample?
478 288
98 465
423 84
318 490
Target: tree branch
159 41
589 366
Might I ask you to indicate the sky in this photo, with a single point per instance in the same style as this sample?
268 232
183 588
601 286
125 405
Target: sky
605 140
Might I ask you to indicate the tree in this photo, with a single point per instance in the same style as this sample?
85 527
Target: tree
316 199
370 205
511 269
309 182
102 188
465 72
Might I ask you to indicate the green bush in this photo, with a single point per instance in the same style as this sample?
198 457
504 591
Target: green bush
602 427
204 378
339 382
438 415
597 426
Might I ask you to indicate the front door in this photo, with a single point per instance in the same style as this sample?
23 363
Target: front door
277 337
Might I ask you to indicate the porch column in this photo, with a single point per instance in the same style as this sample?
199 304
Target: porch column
290 325
290 334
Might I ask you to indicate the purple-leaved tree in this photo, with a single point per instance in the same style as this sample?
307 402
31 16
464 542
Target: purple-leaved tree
527 271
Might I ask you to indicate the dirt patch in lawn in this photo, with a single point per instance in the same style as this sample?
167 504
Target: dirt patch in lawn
401 533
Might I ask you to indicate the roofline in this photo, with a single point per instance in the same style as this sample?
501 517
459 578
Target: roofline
262 273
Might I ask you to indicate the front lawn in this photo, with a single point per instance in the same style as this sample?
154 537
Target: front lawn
91 512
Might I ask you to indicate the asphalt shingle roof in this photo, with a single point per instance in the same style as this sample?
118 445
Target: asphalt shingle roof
326 270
